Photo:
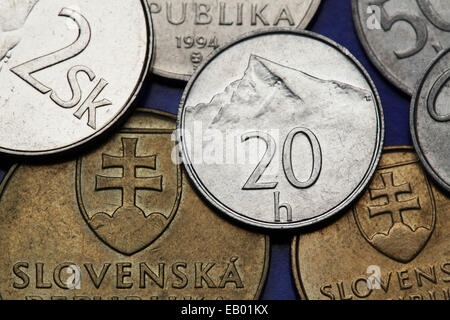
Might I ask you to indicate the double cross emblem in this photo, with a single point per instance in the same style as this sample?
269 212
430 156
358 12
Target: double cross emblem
129 183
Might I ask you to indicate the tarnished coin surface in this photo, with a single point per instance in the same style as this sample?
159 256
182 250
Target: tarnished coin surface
69 70
281 128
430 119
186 32
393 244
402 37
122 222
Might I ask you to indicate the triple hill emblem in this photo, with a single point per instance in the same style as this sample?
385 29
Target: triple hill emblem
129 190
397 213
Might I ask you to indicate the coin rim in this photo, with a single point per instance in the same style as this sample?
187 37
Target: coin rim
415 101
171 116
310 13
390 76
295 243
302 223
123 113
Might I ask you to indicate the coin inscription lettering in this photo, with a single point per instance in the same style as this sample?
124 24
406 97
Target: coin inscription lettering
201 275
188 31
201 13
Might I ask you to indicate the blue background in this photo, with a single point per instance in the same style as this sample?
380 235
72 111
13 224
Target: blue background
333 20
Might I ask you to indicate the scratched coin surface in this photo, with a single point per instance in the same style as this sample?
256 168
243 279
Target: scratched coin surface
393 243
186 32
122 222
69 70
430 119
402 37
288 134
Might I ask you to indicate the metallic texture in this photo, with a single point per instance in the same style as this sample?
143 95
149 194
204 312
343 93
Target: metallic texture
68 73
186 32
281 128
430 119
402 37
393 243
125 219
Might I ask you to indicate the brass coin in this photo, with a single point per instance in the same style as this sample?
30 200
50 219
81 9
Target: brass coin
393 244
122 222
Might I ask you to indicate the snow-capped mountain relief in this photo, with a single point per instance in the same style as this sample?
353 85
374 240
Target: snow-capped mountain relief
284 95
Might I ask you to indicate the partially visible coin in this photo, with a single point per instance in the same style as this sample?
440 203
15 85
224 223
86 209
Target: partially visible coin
281 129
69 70
122 223
394 244
402 37
186 32
430 119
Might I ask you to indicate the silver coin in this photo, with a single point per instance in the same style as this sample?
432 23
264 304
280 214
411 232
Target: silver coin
281 128
430 119
69 70
402 37
186 32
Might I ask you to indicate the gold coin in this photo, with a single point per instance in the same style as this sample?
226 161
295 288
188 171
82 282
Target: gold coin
393 244
122 222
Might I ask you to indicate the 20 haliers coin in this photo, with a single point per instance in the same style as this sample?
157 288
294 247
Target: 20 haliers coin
186 32
281 128
122 222
402 37
394 244
430 119
69 70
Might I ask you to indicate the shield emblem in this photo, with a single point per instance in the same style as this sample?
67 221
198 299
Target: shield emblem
397 213
129 190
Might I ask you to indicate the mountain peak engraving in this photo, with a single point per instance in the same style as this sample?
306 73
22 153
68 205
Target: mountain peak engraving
271 95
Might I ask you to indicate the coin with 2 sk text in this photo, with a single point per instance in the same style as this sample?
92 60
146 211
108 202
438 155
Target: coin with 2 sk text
69 70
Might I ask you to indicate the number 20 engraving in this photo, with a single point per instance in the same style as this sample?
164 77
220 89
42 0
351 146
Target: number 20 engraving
25 71
252 183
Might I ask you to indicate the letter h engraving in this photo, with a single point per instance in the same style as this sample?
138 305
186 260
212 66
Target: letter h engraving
277 208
